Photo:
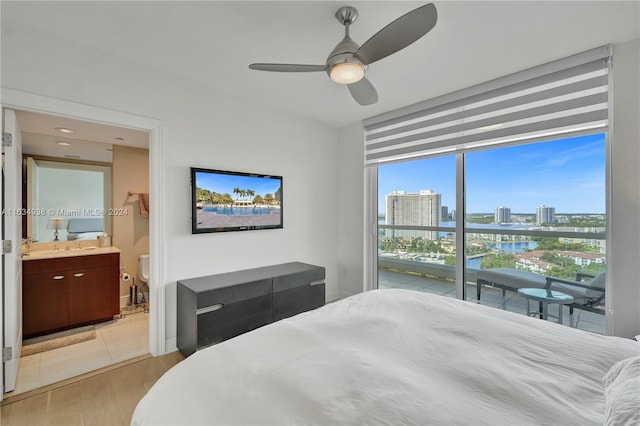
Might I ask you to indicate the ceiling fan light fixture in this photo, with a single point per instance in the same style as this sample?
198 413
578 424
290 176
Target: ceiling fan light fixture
347 72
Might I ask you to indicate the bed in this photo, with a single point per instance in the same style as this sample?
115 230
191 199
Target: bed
402 357
84 228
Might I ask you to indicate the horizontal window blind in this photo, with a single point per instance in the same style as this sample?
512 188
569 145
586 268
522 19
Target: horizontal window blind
563 98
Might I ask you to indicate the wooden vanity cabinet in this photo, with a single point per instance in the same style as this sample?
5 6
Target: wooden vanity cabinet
67 292
45 302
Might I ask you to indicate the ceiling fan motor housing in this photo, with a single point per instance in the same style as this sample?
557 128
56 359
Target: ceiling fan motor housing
344 52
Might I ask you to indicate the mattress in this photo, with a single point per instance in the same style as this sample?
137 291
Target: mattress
393 357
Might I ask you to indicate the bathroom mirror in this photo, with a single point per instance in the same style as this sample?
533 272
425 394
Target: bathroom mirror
66 201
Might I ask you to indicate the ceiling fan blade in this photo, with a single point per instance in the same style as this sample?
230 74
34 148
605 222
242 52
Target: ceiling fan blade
288 67
363 92
399 34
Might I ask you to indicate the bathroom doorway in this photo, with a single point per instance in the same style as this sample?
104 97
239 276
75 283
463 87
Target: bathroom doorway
54 109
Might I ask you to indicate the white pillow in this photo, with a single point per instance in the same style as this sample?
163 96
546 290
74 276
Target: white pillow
622 393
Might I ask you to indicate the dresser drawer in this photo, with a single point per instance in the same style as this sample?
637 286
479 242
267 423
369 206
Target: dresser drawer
302 278
313 290
219 313
233 294
297 307
220 332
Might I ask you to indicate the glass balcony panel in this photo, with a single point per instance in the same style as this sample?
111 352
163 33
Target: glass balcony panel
416 228
410 259
537 209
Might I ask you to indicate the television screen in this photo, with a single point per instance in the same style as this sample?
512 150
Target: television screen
233 201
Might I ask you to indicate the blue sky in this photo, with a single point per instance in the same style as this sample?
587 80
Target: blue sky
224 183
568 174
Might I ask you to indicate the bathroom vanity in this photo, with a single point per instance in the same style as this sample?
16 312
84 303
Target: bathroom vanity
69 288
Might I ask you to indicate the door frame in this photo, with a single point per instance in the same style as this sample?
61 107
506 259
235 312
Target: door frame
24 101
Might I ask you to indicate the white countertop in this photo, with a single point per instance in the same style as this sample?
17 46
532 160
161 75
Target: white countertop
53 254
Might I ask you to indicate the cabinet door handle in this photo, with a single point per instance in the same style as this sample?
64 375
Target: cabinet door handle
58 277
209 309
317 282
79 274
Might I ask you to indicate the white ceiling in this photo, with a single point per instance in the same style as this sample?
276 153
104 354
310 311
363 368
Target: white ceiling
213 43
89 141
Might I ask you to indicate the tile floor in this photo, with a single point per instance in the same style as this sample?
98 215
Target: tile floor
108 398
115 341
491 297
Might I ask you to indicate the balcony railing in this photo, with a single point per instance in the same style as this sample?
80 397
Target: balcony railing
403 269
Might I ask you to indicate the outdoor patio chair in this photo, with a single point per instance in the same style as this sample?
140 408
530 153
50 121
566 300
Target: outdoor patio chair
587 290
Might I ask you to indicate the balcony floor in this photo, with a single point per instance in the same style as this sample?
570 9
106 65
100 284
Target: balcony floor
512 302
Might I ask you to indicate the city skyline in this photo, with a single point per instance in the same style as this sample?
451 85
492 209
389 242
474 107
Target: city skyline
568 174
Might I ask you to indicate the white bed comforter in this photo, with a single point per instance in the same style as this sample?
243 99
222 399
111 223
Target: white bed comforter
393 357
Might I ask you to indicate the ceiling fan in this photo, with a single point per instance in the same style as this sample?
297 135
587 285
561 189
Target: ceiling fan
348 62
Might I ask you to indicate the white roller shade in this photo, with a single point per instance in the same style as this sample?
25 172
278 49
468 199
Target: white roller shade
563 98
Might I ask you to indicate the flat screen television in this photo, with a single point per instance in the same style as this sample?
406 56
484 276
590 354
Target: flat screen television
225 201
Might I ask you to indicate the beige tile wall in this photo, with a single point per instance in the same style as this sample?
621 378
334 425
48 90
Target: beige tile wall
130 231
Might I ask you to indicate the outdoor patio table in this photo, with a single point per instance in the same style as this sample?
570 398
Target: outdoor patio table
545 297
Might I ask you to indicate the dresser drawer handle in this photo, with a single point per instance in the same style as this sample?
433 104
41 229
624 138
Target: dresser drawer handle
58 277
317 282
79 274
209 309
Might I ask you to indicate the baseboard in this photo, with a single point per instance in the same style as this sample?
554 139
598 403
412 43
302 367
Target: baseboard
124 300
170 345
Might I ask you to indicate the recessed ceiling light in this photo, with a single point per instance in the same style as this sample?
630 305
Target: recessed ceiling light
65 130
63 143
119 139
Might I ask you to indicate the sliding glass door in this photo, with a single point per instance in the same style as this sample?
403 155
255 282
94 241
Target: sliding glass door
416 225
536 208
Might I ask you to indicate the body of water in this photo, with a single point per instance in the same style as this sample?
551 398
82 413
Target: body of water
513 247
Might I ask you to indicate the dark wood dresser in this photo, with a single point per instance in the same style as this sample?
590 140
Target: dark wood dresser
217 307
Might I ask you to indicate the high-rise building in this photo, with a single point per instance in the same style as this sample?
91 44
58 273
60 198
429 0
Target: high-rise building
414 209
545 214
502 215
444 212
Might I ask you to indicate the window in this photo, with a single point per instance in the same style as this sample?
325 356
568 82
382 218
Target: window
416 226
538 208
529 157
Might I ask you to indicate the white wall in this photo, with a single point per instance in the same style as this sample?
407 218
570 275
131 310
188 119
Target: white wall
203 128
351 208
624 232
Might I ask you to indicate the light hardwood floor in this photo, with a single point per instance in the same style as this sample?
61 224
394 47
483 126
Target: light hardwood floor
106 398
